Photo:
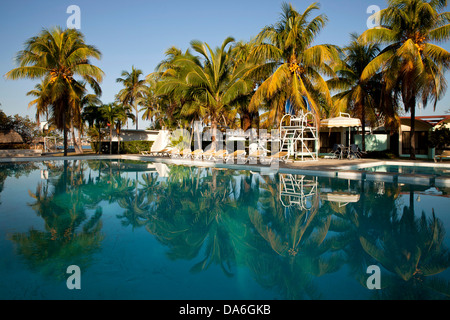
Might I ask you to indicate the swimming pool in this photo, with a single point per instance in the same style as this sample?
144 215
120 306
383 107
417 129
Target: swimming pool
410 169
141 230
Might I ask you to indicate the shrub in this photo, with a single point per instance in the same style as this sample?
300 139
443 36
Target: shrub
440 137
14 146
126 147
380 155
135 147
22 125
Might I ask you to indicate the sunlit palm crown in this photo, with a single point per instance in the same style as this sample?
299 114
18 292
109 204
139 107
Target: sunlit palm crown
57 56
133 86
41 102
355 95
206 85
134 89
57 53
298 65
411 31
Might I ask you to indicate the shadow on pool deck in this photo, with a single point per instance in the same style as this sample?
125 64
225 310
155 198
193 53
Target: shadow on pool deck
319 165
346 169
327 164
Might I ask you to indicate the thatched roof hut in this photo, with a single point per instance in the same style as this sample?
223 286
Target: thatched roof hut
10 136
38 140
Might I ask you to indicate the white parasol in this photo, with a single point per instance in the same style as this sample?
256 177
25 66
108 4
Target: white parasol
343 121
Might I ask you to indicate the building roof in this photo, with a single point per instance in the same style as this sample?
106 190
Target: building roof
432 120
10 136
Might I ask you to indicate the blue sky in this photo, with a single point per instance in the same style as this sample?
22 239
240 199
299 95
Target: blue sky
138 32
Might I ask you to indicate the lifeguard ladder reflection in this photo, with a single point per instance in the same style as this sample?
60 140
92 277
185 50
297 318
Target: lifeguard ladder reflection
297 190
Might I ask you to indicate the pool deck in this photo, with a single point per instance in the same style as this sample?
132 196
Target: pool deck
334 168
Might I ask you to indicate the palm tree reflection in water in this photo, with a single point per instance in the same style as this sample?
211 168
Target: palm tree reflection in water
70 232
241 219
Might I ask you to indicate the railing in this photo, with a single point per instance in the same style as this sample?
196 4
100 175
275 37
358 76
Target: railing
303 130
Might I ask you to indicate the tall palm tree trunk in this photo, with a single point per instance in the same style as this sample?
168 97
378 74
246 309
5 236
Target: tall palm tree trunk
64 125
137 120
110 138
76 145
99 142
214 134
72 134
191 126
118 139
246 121
363 125
79 138
65 139
413 131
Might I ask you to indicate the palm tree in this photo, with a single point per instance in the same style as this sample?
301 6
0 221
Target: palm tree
208 86
412 249
70 232
241 54
297 65
412 64
150 100
93 116
57 56
42 101
192 218
111 113
358 96
95 134
77 119
123 114
172 99
134 89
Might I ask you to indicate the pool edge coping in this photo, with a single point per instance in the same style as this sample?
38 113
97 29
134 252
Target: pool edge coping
347 171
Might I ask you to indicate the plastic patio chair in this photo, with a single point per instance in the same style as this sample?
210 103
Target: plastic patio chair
238 155
281 156
354 152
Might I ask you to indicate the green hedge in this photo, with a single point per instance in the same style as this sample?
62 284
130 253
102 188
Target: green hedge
14 146
126 147
380 155
134 147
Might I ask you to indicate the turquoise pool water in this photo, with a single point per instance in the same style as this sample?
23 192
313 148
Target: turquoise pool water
439 171
150 231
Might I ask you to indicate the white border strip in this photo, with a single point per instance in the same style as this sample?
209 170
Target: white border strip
395 163
333 173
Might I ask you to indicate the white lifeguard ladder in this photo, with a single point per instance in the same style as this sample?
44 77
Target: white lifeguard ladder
296 136
50 144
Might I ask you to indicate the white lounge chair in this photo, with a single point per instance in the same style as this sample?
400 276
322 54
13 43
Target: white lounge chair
163 152
257 155
160 146
444 155
197 154
219 155
335 153
183 154
207 155
239 155
281 156
175 153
